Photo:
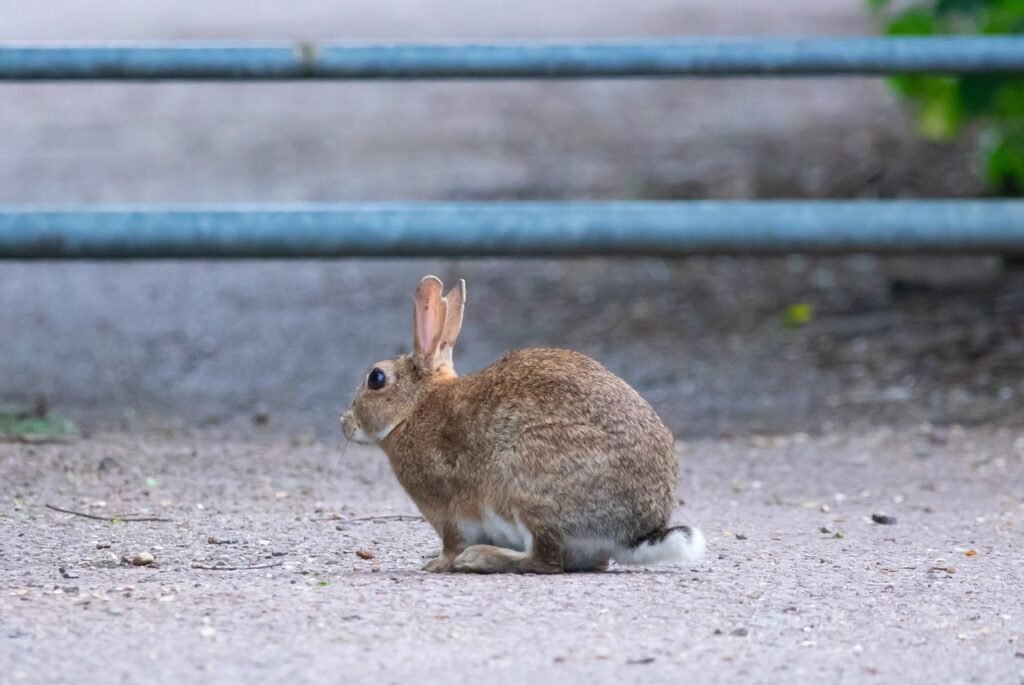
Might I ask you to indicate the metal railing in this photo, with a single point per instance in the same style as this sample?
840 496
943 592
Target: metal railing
517 228
512 228
634 59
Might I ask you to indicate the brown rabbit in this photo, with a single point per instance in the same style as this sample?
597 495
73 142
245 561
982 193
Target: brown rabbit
543 462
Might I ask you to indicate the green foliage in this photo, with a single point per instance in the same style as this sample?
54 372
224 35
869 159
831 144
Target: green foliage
25 427
943 105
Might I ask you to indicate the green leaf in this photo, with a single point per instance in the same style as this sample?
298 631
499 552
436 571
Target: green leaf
978 92
1008 101
960 6
940 116
1002 17
1004 168
914 22
937 99
796 315
910 86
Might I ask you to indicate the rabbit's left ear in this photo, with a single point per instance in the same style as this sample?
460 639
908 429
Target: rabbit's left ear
428 321
455 302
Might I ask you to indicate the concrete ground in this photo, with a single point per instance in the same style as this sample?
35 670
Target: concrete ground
891 341
799 584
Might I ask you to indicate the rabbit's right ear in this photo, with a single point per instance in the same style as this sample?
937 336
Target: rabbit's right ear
428 316
456 304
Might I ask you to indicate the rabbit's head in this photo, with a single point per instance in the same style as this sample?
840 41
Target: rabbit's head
391 389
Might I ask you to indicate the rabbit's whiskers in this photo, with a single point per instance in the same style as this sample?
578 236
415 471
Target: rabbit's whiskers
338 456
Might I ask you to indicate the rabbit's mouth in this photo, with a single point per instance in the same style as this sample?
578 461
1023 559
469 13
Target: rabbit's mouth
352 430
355 433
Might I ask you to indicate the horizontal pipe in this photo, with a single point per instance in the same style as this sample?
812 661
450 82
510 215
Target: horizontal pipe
633 58
510 228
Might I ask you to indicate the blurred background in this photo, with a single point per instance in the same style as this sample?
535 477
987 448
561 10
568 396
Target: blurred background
720 346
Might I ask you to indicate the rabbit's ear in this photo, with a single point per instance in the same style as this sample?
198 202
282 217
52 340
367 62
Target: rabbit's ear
456 301
428 317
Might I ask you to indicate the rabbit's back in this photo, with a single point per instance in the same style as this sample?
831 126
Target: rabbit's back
561 436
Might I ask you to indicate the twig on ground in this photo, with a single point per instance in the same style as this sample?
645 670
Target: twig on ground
384 517
110 519
202 567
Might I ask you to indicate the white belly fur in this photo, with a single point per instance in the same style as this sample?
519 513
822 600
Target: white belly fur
498 531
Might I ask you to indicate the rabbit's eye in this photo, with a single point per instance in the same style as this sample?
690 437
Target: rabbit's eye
376 379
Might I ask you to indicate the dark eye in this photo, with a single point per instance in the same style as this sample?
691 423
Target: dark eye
376 379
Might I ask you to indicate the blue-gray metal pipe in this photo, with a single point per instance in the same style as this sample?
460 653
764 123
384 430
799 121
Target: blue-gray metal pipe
510 228
632 58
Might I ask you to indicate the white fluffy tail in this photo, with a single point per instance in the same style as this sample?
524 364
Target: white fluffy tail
670 545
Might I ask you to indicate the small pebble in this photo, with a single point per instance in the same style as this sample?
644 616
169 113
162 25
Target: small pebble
364 554
883 520
217 541
740 632
108 560
143 559
102 545
106 464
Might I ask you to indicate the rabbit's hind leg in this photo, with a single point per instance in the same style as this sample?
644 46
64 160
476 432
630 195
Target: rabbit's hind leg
546 555
491 559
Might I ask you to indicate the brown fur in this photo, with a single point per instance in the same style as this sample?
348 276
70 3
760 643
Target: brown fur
548 438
